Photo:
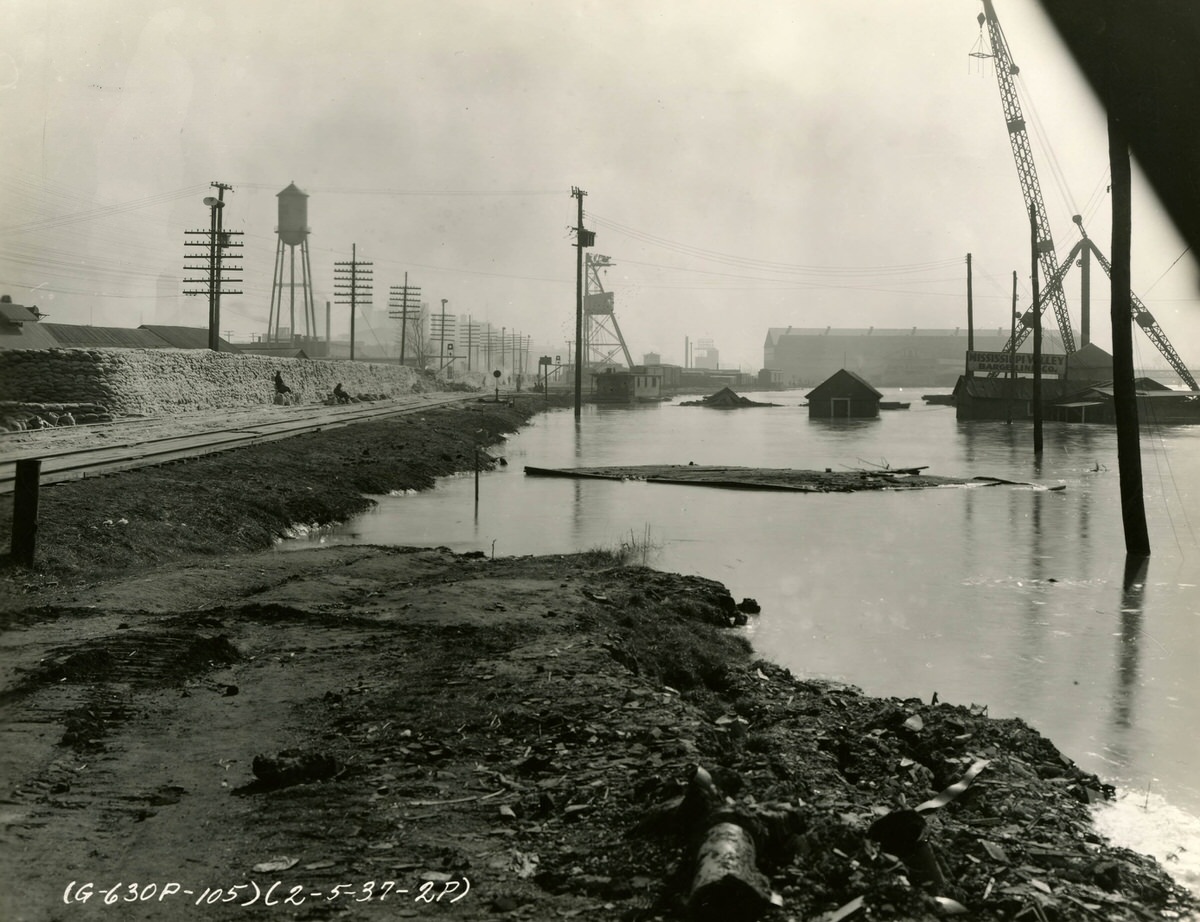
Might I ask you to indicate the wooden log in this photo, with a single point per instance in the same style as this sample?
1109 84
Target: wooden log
686 814
728 887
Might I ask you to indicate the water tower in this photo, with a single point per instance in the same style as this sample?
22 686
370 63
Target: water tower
293 232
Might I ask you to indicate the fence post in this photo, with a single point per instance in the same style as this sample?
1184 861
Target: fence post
25 511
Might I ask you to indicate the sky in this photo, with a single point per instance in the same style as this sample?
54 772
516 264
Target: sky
747 166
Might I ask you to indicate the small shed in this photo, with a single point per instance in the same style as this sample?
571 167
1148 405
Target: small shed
843 395
612 386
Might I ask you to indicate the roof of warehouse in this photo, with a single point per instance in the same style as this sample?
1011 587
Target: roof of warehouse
70 335
185 337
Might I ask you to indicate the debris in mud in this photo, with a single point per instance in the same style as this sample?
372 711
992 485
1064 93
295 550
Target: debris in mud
288 768
533 755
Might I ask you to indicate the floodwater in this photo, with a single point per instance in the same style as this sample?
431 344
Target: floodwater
1016 597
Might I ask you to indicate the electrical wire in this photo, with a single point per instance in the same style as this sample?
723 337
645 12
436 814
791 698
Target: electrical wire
1056 170
417 193
768 265
1169 268
1161 460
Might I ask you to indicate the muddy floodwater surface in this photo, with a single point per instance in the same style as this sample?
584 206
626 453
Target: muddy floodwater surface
1013 597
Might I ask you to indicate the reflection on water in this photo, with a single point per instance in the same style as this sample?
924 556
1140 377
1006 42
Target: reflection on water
1133 589
1010 596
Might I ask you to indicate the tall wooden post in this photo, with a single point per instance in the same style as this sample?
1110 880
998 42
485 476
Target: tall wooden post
1012 355
25 511
1037 336
970 318
1129 458
579 194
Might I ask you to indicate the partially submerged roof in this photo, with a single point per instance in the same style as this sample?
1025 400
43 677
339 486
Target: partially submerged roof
843 380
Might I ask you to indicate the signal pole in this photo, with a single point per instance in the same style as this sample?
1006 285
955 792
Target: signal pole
216 240
352 281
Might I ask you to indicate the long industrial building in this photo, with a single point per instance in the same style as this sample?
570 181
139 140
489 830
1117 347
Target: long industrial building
804 357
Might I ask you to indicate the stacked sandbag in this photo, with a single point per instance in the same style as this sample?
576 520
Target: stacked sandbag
152 382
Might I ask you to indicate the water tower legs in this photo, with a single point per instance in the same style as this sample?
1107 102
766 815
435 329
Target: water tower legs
279 285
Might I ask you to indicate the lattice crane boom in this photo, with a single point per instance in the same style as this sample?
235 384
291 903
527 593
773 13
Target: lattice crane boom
1030 188
1144 319
1027 172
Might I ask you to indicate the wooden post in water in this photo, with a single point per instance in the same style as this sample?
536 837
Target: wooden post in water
477 481
1037 337
25 511
970 318
1129 458
579 194
1012 355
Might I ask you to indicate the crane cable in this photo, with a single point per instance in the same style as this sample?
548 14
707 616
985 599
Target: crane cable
1162 459
1043 137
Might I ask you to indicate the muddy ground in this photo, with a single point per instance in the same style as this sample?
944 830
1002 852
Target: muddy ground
196 726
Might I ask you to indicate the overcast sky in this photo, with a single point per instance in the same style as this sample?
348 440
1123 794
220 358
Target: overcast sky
808 163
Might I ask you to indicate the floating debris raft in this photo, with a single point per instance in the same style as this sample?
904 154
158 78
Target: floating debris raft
725 399
765 478
754 478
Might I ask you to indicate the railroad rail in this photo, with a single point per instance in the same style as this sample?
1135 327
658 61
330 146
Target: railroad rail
132 444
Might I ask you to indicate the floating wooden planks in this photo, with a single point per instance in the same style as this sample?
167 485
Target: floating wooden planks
770 478
756 478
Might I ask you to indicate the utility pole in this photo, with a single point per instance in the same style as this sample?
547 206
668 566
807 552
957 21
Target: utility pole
1129 459
583 238
442 339
216 240
970 318
352 280
404 298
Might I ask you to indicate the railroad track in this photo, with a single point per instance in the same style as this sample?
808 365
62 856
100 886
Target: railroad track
134 444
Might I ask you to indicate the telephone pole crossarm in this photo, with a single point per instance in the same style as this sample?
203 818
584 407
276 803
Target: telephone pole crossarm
210 261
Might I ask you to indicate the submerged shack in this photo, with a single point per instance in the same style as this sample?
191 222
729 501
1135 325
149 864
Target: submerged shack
843 395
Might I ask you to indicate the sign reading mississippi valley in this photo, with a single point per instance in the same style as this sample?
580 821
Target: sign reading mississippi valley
1003 361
